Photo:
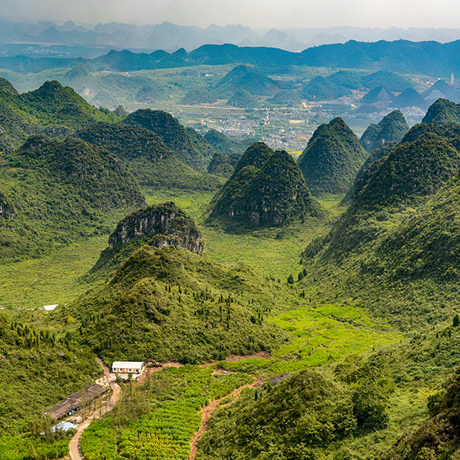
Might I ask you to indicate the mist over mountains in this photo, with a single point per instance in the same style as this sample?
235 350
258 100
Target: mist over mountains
46 38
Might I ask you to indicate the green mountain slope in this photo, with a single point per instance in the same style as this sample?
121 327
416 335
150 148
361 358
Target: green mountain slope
396 244
437 438
443 111
427 244
152 163
245 78
88 87
286 98
54 105
223 165
390 80
267 188
331 159
410 98
59 191
189 147
348 78
14 129
410 172
226 145
368 169
390 129
52 109
24 350
198 96
291 420
243 99
377 94
441 90
174 305
321 89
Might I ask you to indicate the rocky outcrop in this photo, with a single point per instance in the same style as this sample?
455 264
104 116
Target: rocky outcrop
165 224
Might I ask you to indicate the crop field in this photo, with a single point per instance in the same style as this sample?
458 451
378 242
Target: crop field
172 400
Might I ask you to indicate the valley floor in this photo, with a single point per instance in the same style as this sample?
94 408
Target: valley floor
182 399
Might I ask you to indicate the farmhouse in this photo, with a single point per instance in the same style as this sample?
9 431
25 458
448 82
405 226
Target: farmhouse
124 368
75 401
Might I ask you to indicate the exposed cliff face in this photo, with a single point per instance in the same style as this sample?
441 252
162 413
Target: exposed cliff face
165 223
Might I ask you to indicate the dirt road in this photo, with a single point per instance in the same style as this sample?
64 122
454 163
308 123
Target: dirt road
74 446
209 409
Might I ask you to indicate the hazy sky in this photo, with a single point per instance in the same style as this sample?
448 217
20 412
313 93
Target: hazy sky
258 14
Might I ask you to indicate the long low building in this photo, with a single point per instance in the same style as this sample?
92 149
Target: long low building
75 401
136 368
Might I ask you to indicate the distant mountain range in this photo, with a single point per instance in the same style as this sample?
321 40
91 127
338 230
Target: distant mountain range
427 58
91 39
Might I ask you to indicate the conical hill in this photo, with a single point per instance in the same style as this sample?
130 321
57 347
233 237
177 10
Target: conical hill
331 159
245 78
189 147
174 305
442 111
410 172
390 129
56 192
266 189
159 225
152 163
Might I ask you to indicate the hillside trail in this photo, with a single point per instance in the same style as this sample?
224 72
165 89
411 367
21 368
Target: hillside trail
209 409
74 446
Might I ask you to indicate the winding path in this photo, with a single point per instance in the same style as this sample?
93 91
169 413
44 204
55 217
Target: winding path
209 409
74 446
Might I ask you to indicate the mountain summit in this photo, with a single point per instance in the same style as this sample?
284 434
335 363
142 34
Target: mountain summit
267 188
332 158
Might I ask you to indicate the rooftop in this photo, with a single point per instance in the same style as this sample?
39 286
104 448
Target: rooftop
127 364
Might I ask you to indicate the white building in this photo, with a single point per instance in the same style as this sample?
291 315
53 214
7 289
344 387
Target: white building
124 368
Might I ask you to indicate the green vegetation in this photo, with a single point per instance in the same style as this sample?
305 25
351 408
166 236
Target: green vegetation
355 409
410 172
390 129
176 305
37 369
442 111
321 89
55 192
286 98
226 145
157 419
331 159
151 162
386 265
390 80
198 96
266 189
243 99
410 98
53 105
223 165
158 226
378 94
245 78
189 147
